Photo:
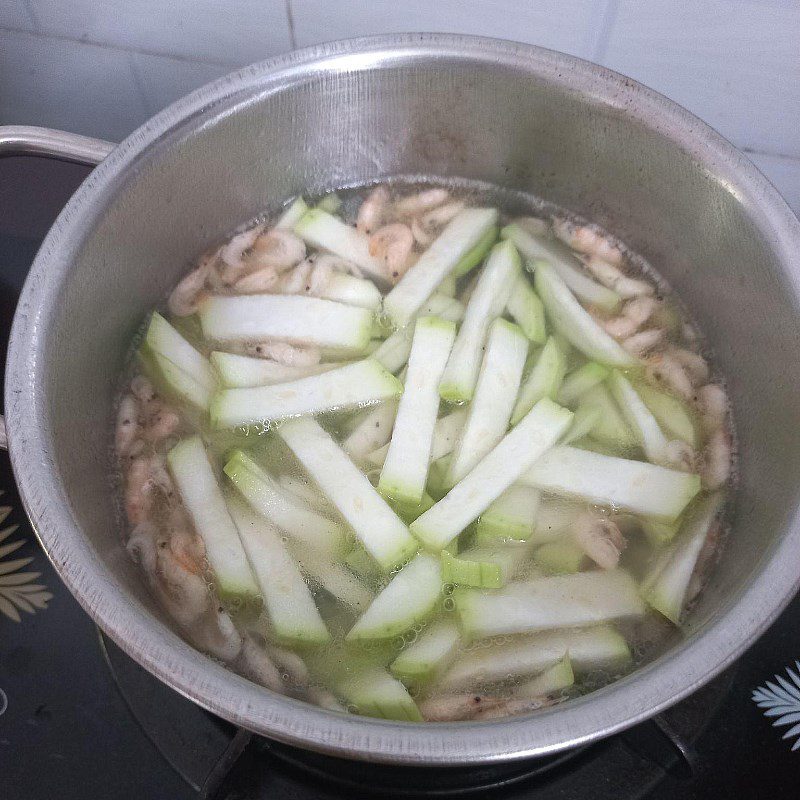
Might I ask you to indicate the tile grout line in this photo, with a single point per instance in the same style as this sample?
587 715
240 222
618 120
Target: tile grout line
120 48
290 22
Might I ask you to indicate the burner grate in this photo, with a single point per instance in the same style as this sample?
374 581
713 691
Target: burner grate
222 762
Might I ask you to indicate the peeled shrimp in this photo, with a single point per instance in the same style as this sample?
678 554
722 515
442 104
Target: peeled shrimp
600 538
680 455
128 429
392 244
373 210
615 279
186 546
450 707
513 705
291 664
183 593
713 404
217 635
323 698
716 466
308 277
641 342
142 389
284 353
161 422
420 202
425 227
337 264
254 663
663 369
189 293
279 249
232 254
259 282
138 490
695 366
633 315
586 239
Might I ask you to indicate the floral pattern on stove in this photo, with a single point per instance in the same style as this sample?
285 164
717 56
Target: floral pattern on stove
782 700
18 590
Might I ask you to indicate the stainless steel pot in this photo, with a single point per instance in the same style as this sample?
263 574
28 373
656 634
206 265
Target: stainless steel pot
516 116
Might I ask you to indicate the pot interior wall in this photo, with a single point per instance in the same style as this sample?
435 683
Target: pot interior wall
453 117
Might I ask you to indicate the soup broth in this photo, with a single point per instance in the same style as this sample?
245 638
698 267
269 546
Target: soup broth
423 452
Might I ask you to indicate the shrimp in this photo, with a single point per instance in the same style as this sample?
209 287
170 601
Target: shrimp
161 423
217 635
146 476
128 428
634 314
186 546
663 369
680 455
641 342
615 279
278 249
713 405
142 389
600 538
232 253
424 227
232 261
191 291
260 282
138 493
695 366
285 353
254 663
716 466
323 698
183 593
392 244
514 705
309 277
420 202
450 707
586 239
294 666
373 210
336 264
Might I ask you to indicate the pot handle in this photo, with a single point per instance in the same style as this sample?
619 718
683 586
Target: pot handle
29 140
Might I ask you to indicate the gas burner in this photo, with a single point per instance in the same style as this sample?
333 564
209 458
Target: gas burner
222 762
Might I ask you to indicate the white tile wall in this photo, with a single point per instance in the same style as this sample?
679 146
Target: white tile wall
568 25
70 85
163 80
735 63
101 67
231 32
16 14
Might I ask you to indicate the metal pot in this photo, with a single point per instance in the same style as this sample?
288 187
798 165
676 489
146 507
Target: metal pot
517 116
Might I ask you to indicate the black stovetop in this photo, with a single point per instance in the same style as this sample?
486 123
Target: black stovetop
79 720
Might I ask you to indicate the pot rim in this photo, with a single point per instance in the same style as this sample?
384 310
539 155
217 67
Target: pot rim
634 698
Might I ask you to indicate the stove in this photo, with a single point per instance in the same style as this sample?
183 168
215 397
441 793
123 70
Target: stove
79 719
